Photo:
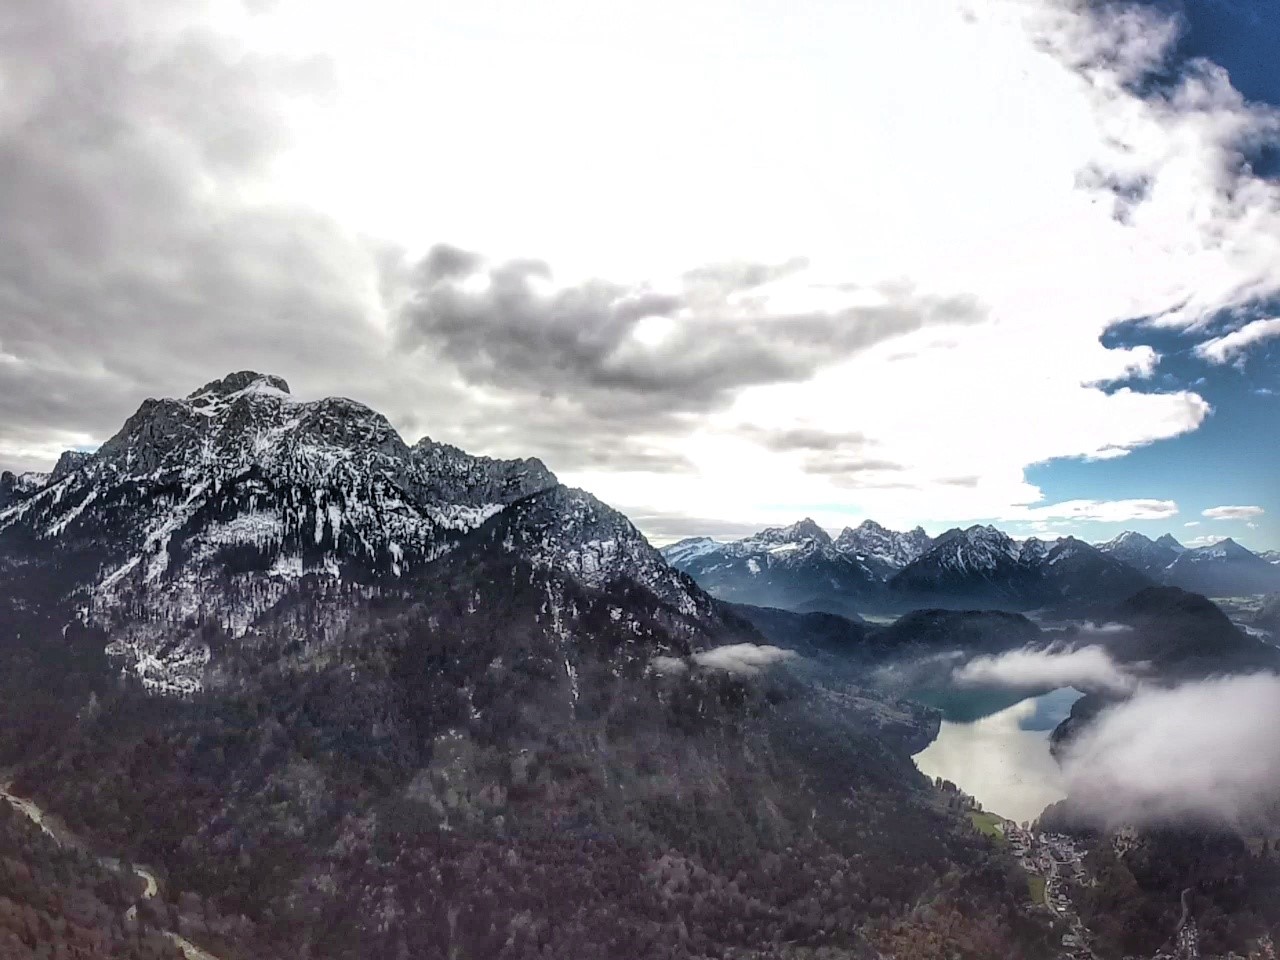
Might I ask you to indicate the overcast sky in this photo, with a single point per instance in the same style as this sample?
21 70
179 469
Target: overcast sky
721 263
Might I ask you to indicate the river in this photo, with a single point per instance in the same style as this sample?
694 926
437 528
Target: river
997 751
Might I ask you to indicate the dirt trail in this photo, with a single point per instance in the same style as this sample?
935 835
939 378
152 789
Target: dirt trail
64 838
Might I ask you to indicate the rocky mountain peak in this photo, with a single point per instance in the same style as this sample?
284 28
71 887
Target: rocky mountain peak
241 380
220 502
798 532
1171 542
889 548
1224 549
70 462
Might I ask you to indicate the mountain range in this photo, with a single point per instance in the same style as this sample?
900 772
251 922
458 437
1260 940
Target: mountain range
870 569
356 698
219 505
800 567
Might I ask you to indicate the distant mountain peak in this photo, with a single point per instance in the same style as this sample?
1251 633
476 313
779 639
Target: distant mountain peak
798 532
1131 537
239 381
878 544
1226 547
1223 569
1171 542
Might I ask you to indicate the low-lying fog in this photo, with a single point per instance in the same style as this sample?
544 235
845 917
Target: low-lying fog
1197 750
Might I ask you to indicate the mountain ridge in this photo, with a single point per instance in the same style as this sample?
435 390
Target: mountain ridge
220 504
959 568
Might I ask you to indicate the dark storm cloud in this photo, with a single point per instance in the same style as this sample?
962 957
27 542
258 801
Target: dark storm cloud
507 326
127 265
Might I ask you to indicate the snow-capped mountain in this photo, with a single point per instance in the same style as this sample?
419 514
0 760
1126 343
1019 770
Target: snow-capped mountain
1222 569
872 569
983 567
215 506
1152 557
877 546
796 567
1271 556
976 566
1077 573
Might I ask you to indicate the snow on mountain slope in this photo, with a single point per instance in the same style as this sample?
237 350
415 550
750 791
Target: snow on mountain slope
214 506
572 532
795 567
978 566
1074 571
1142 553
978 549
890 550
686 551
1223 569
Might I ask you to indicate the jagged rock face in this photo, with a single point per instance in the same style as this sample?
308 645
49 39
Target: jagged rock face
983 566
871 568
1075 571
980 565
215 507
796 567
1222 569
18 486
570 531
891 550
1152 557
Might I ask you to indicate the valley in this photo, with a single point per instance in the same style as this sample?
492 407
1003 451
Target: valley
402 701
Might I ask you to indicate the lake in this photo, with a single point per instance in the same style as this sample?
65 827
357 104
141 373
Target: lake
997 750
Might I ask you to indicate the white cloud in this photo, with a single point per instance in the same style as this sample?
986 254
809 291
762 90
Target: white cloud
1172 754
745 659
1101 511
669 665
1086 668
742 659
1206 541
1192 523
1231 345
1031 180
1233 513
